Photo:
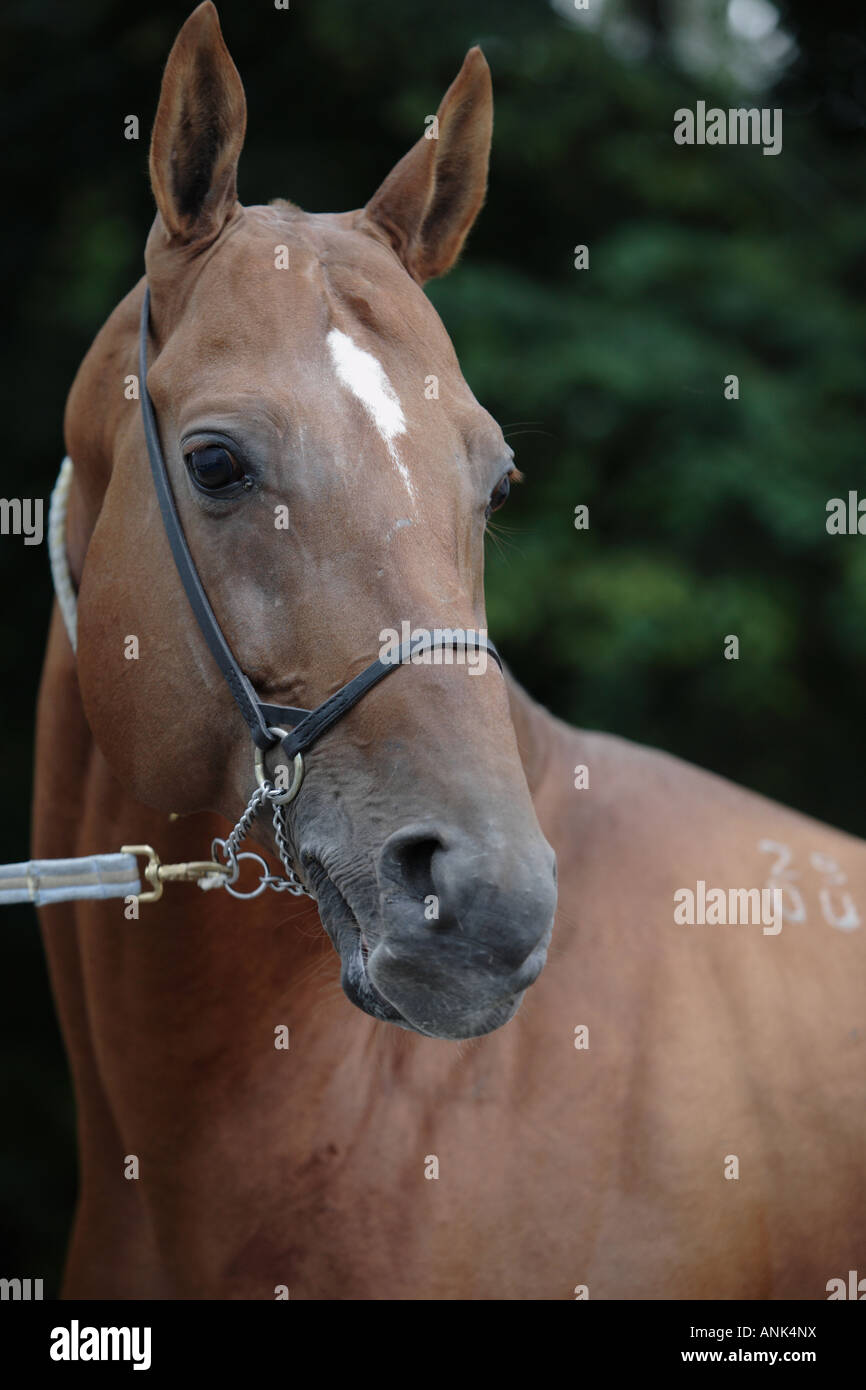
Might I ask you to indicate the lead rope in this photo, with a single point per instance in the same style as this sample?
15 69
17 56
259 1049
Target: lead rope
116 876
231 855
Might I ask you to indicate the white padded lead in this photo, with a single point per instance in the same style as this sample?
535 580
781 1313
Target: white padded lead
43 881
66 595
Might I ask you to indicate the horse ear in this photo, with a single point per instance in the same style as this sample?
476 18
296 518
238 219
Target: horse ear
198 133
430 199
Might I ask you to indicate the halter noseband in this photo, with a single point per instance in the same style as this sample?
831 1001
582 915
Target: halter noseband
264 720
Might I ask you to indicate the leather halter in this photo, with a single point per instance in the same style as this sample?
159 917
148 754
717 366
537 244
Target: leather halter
307 725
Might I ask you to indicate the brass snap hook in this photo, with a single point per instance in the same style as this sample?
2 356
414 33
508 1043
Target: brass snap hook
158 874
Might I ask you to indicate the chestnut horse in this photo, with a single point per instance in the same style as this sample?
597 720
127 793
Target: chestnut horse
677 1110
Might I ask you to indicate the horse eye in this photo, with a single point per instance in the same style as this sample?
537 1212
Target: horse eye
213 467
499 495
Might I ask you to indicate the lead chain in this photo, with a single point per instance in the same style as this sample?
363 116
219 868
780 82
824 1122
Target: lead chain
230 848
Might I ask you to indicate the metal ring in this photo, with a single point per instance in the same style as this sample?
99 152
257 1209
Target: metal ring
297 771
262 883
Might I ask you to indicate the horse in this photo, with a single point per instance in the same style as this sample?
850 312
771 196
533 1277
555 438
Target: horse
672 1105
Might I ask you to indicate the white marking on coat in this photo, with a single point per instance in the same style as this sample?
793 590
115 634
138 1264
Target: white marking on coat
365 377
398 526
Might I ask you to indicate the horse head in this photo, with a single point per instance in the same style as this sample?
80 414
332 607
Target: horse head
329 494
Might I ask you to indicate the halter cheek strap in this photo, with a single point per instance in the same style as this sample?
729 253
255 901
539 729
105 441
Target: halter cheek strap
307 725
238 684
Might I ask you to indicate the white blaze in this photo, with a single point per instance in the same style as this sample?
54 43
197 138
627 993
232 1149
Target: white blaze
365 377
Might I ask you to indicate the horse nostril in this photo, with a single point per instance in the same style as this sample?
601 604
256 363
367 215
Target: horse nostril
407 859
462 896
417 866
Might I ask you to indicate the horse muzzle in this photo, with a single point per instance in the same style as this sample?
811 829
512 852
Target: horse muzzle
463 932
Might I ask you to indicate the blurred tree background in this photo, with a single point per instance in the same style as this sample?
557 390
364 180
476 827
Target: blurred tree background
707 516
